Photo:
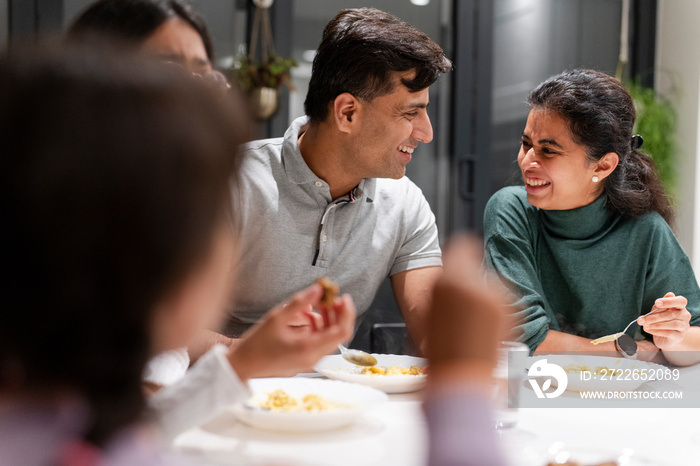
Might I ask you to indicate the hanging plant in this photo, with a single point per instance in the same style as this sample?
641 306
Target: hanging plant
262 78
275 72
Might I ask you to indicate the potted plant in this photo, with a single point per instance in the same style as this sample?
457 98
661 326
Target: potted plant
261 79
656 122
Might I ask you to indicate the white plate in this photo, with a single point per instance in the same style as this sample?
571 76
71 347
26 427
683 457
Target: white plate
357 398
560 452
335 367
628 374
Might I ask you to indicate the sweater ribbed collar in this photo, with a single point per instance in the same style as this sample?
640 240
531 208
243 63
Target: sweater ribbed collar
585 222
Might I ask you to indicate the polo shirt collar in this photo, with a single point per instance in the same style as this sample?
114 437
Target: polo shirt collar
300 173
366 188
295 166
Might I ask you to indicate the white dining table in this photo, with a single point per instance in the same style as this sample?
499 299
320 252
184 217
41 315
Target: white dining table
395 434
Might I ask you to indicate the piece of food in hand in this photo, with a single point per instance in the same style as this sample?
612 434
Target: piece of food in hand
330 291
607 338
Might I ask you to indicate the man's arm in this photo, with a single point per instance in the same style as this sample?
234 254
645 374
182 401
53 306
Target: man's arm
413 291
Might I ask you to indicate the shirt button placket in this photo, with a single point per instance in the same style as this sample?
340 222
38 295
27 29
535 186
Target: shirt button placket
325 231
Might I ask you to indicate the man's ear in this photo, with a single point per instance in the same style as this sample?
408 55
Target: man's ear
345 112
606 165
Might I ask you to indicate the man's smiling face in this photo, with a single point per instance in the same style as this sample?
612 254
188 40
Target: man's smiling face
392 127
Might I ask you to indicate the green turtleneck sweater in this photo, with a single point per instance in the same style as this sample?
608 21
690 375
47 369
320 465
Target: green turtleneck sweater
585 271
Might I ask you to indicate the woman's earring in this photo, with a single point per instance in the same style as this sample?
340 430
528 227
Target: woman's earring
595 179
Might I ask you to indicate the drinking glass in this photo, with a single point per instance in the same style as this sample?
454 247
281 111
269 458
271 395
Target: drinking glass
508 376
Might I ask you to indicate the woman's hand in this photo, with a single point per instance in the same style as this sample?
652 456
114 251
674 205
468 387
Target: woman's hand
648 351
291 338
670 323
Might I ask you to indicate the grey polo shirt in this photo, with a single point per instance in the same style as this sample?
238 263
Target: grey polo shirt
292 232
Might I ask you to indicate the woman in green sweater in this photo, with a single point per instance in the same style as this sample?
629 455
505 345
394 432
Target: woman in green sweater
585 244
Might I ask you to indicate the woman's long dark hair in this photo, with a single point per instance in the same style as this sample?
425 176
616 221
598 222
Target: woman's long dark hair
115 175
600 115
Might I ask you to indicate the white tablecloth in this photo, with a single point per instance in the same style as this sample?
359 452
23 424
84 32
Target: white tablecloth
394 434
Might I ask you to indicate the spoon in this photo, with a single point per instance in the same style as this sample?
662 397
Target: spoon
255 407
357 357
615 336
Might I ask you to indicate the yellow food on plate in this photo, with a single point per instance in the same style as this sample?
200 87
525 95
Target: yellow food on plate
393 370
280 400
607 338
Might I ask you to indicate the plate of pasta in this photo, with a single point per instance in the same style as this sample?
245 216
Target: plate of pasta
298 404
393 373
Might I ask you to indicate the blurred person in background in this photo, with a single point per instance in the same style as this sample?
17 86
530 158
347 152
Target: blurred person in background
173 32
170 30
117 244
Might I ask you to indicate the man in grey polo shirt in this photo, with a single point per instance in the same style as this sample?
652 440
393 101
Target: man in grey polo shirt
330 198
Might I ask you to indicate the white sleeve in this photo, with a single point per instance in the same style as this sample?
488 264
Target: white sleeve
204 392
167 368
